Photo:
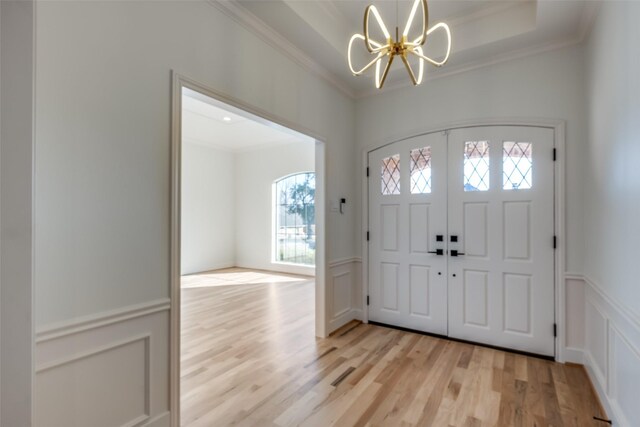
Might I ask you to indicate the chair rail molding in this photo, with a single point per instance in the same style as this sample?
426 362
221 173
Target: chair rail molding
70 327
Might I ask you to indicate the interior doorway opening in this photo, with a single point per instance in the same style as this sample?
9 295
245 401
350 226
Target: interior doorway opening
248 237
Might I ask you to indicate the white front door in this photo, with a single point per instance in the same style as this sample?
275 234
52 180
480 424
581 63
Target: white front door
500 212
408 211
488 191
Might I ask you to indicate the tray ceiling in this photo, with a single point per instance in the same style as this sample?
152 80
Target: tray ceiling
483 31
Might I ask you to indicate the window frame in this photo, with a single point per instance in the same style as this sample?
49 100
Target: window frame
275 218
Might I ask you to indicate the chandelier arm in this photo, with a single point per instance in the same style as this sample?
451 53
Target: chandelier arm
425 23
367 39
366 67
380 81
431 61
379 51
446 57
440 25
409 70
417 41
386 48
421 68
377 46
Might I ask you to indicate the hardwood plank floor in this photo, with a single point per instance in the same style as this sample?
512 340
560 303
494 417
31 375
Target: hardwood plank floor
250 358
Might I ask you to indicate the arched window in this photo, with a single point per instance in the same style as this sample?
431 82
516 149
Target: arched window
295 219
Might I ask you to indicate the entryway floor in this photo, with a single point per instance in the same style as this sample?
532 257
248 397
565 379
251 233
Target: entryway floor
250 357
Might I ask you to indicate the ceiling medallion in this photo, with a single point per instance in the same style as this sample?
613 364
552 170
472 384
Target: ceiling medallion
401 47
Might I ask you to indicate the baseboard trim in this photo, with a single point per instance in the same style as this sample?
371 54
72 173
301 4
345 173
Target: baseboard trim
574 355
357 313
597 387
339 321
99 320
160 420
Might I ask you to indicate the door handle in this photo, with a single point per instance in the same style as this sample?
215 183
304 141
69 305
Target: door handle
454 252
437 252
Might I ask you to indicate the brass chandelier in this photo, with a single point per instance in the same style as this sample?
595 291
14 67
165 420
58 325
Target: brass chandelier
402 46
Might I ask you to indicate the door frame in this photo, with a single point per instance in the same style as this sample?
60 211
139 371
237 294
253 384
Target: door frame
321 319
559 201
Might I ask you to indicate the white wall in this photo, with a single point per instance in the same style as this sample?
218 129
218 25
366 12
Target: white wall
103 141
612 160
256 172
103 147
208 208
612 209
548 85
16 208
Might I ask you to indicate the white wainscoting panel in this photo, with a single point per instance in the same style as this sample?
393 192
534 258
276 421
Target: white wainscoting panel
574 319
108 370
344 292
612 354
596 340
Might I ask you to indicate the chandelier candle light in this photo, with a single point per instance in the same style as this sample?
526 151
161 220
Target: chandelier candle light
401 47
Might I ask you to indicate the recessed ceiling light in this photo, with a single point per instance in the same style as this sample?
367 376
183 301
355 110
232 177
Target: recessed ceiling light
226 118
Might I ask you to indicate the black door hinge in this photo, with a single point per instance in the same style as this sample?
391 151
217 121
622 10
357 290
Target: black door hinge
367 170
555 154
367 299
555 242
555 330
367 236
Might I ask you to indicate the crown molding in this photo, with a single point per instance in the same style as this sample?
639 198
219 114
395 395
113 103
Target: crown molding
251 22
491 9
588 18
474 65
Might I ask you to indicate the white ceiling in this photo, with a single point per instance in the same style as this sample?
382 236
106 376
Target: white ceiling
483 31
209 122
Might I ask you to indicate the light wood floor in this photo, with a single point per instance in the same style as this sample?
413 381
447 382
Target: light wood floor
249 357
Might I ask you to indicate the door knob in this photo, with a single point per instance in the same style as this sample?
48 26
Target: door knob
437 252
454 252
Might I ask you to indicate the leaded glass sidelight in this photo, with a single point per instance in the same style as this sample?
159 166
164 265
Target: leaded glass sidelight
420 170
517 165
390 175
476 166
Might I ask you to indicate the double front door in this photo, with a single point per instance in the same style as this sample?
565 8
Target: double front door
462 235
